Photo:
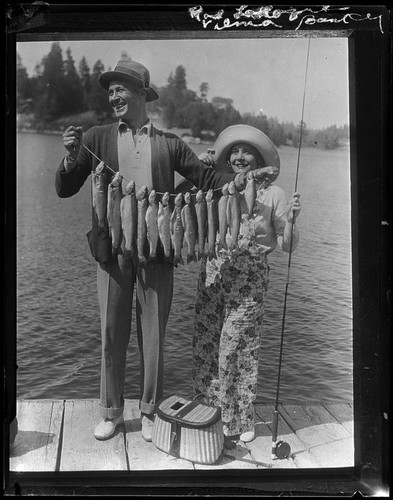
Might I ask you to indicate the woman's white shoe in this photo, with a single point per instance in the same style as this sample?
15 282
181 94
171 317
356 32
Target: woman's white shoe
247 436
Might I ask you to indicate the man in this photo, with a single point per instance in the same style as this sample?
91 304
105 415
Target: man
140 152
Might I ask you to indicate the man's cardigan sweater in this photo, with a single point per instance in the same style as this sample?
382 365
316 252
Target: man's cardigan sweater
169 153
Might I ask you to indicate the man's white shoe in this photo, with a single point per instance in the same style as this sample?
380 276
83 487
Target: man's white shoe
247 436
107 427
147 422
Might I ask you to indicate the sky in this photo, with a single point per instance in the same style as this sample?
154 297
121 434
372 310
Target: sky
265 75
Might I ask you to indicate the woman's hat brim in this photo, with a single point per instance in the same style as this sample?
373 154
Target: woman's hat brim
236 134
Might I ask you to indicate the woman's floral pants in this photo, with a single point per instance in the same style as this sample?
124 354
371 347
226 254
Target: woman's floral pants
229 314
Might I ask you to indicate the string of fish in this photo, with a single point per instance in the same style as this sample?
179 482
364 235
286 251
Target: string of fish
139 217
127 180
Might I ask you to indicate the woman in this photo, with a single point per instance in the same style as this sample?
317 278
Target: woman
232 287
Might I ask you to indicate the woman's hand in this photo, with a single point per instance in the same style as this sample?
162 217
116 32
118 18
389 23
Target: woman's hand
207 157
293 208
269 174
72 139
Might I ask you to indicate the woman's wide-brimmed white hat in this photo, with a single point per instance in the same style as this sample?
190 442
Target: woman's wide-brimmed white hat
236 134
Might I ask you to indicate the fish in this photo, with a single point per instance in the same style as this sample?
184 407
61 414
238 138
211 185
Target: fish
115 195
152 225
129 220
222 217
100 194
190 226
164 225
212 224
233 214
142 203
250 193
177 230
201 215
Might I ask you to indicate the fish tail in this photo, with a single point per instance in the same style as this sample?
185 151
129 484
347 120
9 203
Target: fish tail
212 254
233 245
222 245
131 255
191 258
127 253
178 260
102 222
201 254
142 260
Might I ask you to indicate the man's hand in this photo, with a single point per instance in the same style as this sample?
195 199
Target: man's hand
72 139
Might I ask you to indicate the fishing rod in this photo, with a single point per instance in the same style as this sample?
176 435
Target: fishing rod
281 449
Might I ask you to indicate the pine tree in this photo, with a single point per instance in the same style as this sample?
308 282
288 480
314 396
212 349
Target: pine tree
23 86
98 98
84 74
179 80
204 89
49 88
72 90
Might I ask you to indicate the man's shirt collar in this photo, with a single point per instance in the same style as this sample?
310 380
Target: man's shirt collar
145 129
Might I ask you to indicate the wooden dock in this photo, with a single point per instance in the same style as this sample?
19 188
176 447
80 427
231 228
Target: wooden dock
57 435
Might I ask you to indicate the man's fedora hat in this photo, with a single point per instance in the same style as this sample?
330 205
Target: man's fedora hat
236 134
133 71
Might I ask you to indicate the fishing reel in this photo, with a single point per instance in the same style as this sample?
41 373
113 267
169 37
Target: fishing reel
282 450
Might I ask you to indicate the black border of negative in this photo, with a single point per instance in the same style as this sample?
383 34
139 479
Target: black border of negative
368 31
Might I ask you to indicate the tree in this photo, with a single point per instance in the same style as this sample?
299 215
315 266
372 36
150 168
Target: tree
23 86
301 131
85 77
276 132
98 98
328 138
221 102
225 117
259 121
175 97
179 79
204 89
72 90
50 82
201 116
125 57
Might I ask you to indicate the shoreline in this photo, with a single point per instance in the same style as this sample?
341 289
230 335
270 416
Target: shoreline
26 130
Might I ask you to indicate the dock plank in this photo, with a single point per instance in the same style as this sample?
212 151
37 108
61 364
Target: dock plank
261 447
343 413
143 455
237 458
36 444
80 450
58 435
324 436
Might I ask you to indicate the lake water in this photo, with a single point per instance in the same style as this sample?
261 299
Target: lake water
58 330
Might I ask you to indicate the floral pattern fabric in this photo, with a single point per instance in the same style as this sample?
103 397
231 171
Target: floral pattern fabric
228 324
